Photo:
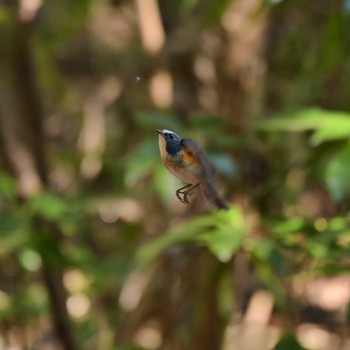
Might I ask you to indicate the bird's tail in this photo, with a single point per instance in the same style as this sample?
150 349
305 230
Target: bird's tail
213 196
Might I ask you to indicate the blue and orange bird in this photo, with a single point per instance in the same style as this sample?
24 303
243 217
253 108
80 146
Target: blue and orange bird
187 161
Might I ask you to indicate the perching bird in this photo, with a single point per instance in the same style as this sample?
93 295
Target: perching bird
187 161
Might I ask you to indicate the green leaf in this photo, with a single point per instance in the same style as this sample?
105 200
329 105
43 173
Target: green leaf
338 223
299 121
14 229
328 125
332 130
318 250
288 342
268 252
333 269
8 187
338 174
48 205
226 235
181 233
287 226
221 231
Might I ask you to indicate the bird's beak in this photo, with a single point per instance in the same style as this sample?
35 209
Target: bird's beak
159 132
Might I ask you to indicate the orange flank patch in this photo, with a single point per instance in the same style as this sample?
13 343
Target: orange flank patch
189 157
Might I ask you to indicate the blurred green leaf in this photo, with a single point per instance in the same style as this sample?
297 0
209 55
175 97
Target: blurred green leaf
338 223
267 251
338 174
182 233
5 304
14 229
333 269
288 342
10 221
289 225
8 186
221 231
226 235
328 125
318 250
49 205
54 207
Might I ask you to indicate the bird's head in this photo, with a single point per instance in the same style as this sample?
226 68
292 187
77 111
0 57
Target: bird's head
169 142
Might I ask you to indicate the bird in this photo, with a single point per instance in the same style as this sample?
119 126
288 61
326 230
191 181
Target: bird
185 159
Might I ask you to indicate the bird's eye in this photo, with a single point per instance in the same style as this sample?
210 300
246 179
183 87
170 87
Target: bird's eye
171 136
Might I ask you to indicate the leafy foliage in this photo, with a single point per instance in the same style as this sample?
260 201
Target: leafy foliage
222 232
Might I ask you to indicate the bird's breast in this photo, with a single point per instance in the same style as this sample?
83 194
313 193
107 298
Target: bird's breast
184 166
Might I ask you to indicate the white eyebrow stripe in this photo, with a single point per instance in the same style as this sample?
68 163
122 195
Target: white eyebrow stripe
165 131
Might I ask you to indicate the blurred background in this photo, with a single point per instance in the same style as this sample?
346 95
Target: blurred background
96 252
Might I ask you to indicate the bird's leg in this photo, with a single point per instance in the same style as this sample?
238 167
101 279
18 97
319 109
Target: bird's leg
185 193
189 192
